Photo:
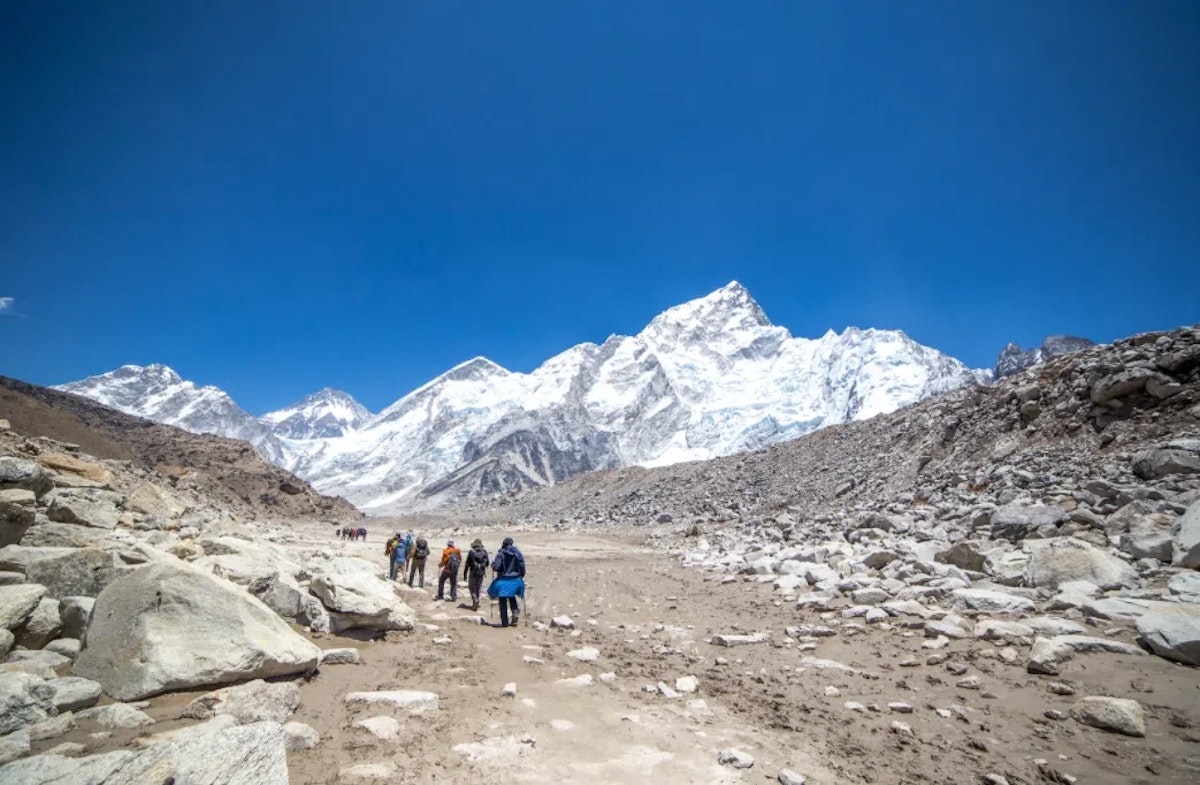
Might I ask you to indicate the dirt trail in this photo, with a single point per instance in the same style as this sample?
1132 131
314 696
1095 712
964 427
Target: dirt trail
649 620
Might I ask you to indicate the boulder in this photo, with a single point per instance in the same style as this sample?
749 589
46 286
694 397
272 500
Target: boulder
989 601
169 626
24 700
74 612
1158 462
1118 715
963 556
80 572
42 626
18 511
67 647
1008 631
246 754
23 473
254 701
1173 631
1123 383
1017 520
360 600
67 535
69 464
280 592
1065 559
1149 537
117 715
150 499
1050 654
7 641
14 745
16 558
86 507
72 693
1187 538
17 602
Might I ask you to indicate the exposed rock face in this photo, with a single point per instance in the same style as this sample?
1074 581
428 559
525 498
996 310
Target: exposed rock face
169 626
1013 359
1063 560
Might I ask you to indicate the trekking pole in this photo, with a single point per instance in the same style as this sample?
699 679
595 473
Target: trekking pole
525 604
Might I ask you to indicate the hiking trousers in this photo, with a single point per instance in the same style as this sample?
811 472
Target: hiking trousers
447 575
505 603
475 586
417 568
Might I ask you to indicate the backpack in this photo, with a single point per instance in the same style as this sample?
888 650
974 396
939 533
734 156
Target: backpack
391 546
455 562
477 561
422 551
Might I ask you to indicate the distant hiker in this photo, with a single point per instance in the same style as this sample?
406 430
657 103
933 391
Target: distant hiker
476 568
509 583
397 557
420 554
451 561
409 547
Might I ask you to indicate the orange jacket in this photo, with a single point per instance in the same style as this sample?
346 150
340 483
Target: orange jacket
446 554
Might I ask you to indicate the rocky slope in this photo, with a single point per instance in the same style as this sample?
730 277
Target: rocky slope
1014 359
225 471
710 377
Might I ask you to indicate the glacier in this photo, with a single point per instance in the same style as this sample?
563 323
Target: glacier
707 378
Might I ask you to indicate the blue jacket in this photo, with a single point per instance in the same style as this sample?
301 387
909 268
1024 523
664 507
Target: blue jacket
400 552
509 563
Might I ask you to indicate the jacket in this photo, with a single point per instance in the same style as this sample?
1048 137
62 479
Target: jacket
477 561
509 563
446 554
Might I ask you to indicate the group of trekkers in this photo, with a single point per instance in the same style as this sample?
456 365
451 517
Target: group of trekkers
408 554
352 533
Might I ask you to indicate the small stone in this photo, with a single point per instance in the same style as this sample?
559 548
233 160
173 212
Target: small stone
346 656
562 623
1119 715
687 684
509 690
832 692
380 727
900 707
902 728
735 758
855 706
301 736
586 654
1054 714
789 777
969 683
1058 688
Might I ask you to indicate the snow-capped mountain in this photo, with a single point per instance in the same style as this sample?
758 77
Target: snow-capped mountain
322 415
710 377
158 393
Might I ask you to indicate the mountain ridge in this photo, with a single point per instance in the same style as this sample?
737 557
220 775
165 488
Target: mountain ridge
708 377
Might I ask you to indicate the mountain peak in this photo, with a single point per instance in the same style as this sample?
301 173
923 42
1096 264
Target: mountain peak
729 308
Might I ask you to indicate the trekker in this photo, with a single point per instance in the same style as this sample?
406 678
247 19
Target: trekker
417 565
451 560
509 583
409 547
397 558
476 569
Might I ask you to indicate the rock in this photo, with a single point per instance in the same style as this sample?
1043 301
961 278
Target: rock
301 736
14 745
67 647
7 640
1158 462
24 700
52 728
367 772
1118 715
280 592
586 654
169 626
116 715
963 556
150 499
408 700
346 656
1173 631
735 758
667 692
86 507
582 680
1010 631
18 602
562 622
17 514
380 727
82 572
72 693
1017 520
253 701
1065 559
1150 538
687 684
74 613
25 474
989 601
1049 654
738 640
358 600
42 626
47 659
1123 383
1187 539
789 777
69 464
509 690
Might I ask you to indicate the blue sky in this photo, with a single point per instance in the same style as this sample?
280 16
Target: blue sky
274 197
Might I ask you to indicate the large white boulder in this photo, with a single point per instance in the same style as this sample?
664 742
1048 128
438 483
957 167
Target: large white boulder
1172 630
169 626
1063 560
361 600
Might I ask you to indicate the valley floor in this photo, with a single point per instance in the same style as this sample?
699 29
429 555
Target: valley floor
649 619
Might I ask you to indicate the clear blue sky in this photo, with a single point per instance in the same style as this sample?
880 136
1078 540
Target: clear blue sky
278 196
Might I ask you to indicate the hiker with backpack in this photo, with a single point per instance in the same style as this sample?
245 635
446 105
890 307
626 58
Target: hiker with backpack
409 547
451 561
476 568
417 565
509 583
398 557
